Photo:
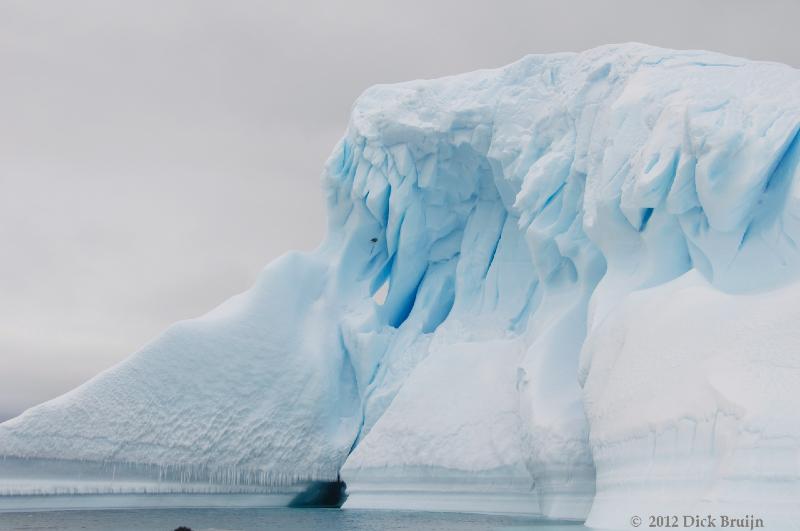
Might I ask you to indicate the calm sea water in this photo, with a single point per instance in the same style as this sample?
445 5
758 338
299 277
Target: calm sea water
270 519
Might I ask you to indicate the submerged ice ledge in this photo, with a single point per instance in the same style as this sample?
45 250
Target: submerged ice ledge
580 269
33 476
55 502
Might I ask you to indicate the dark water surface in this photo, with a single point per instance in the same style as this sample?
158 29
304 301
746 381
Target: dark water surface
270 519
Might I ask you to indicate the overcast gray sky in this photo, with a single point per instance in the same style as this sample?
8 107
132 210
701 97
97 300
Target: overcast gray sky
155 155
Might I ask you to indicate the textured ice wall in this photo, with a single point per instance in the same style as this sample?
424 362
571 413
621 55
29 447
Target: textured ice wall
206 401
587 261
622 168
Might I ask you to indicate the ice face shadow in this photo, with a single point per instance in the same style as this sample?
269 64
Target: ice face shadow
321 494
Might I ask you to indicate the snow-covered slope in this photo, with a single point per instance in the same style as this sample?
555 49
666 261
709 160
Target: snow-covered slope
576 273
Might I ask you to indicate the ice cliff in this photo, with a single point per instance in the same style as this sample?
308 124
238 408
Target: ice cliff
568 286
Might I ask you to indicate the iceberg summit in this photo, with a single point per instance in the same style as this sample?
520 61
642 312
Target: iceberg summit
567 287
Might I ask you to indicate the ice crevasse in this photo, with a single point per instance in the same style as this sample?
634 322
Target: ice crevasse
568 287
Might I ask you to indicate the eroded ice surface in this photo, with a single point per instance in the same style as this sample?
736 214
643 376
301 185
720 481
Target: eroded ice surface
576 273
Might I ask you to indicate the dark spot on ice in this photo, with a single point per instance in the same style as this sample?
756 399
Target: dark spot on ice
183 528
373 240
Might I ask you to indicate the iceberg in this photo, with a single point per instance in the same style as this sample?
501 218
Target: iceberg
565 287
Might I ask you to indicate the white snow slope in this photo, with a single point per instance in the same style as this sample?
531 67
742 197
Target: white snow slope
592 311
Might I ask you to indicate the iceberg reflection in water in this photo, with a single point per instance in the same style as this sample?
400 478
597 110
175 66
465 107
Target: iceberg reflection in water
284 519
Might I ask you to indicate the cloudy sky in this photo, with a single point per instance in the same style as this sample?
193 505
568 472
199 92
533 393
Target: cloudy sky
155 155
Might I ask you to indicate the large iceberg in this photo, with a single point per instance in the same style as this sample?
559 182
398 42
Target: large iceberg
565 287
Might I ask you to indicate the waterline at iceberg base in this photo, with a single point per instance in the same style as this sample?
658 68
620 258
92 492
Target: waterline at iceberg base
565 287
